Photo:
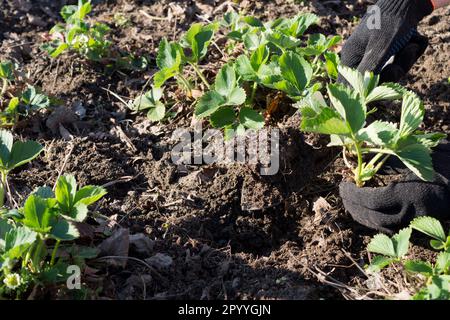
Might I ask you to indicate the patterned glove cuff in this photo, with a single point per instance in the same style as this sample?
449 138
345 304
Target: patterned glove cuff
408 8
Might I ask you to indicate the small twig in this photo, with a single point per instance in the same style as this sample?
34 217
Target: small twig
56 76
153 17
120 180
354 262
125 138
134 259
11 199
60 171
116 96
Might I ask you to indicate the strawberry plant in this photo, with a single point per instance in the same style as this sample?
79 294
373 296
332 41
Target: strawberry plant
6 75
23 99
434 279
192 48
150 101
13 155
274 56
345 122
78 35
46 218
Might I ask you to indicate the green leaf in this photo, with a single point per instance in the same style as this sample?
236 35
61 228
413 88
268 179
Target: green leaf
259 57
63 230
160 77
84 9
225 81
17 241
437 244
443 262
422 267
349 105
65 192
6 70
382 244
90 194
245 69
148 100
44 192
429 226
378 263
13 106
223 117
418 159
198 38
327 121
413 112
388 91
78 212
169 62
34 100
252 21
158 112
332 61
236 97
251 119
430 140
354 78
281 40
208 104
59 50
401 242
68 11
296 70
23 152
38 214
4 228
6 143
378 133
302 22
253 40
169 55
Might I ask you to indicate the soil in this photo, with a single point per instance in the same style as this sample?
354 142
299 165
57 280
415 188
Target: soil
226 231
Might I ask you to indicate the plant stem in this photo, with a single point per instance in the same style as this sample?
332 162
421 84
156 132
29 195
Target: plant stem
358 172
52 260
182 79
375 150
4 87
36 254
2 188
27 256
253 94
344 156
200 74
381 163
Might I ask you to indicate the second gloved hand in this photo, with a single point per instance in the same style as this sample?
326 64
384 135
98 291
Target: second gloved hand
371 46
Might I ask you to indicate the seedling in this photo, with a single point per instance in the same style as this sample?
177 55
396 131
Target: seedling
27 102
394 250
6 75
78 35
74 203
150 101
190 50
345 122
273 58
13 155
44 218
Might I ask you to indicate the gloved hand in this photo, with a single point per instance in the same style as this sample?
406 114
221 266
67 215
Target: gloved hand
392 207
369 49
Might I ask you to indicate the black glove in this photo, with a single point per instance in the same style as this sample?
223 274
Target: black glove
369 49
392 207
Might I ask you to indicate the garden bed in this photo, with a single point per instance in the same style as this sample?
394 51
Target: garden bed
297 233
